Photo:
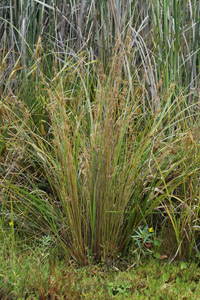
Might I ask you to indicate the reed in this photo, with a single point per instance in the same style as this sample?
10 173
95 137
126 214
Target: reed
161 39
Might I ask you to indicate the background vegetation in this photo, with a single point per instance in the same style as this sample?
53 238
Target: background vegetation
99 126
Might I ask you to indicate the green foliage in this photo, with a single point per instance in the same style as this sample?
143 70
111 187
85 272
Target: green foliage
145 243
38 273
99 124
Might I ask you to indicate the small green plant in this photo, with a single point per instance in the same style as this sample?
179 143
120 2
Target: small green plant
121 288
145 242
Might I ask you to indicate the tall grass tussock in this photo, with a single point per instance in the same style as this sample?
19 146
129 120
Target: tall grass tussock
99 125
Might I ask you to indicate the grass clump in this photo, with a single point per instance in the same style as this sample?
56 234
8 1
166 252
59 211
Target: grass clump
93 170
99 132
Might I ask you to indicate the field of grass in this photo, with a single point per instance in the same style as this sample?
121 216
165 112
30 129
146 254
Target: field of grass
99 148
